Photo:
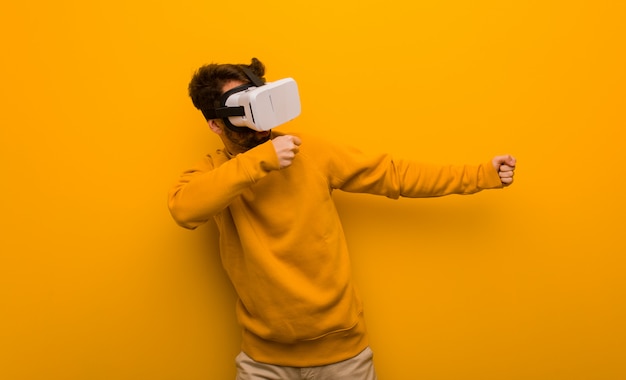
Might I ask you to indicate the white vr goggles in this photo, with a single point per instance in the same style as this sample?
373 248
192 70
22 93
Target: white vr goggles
257 105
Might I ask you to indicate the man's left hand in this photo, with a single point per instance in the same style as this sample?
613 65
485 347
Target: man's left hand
505 165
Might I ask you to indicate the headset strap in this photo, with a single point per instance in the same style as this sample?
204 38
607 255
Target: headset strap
222 112
253 77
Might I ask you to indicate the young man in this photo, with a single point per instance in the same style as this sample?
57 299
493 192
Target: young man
281 239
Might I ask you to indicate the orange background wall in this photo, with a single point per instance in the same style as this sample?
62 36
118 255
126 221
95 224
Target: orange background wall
97 282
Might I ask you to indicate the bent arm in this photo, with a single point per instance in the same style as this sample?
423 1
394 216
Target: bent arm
207 189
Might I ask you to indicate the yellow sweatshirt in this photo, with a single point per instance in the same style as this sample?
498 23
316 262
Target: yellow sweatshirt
282 243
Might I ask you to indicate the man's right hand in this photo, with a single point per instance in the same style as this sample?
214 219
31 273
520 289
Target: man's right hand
287 147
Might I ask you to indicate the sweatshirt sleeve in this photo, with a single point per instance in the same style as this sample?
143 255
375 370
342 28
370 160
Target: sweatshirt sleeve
209 187
353 171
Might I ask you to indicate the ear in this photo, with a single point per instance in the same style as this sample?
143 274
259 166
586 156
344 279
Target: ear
215 126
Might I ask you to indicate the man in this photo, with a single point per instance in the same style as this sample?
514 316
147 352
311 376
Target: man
281 239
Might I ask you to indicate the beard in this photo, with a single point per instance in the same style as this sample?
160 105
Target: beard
248 139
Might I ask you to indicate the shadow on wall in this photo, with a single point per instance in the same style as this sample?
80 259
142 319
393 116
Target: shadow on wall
408 220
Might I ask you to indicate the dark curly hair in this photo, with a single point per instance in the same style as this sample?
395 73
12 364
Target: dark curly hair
205 87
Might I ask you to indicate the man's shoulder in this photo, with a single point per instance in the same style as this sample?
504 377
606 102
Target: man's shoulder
211 160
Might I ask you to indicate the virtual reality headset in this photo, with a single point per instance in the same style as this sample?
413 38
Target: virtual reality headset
259 106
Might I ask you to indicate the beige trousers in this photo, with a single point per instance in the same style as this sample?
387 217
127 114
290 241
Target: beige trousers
360 367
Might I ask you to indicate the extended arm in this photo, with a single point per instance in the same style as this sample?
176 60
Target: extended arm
353 171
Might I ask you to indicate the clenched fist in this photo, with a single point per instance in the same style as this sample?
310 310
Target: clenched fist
287 147
505 165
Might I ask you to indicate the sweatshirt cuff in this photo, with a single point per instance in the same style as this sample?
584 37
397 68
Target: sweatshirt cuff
261 159
491 179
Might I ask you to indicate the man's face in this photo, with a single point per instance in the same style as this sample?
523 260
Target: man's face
239 142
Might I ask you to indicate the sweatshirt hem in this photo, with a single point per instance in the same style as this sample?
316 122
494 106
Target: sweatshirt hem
331 348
